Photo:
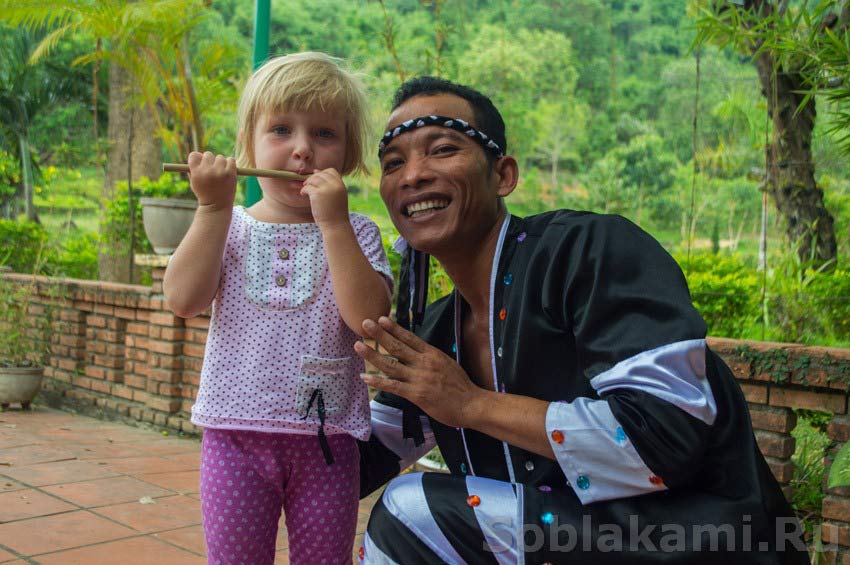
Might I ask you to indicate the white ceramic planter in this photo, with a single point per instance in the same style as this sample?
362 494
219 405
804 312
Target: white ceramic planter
166 221
19 384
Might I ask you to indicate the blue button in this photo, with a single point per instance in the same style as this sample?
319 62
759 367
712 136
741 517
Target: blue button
621 435
454 348
583 482
463 468
509 278
547 518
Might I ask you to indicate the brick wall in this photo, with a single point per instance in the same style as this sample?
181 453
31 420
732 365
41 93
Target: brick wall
117 352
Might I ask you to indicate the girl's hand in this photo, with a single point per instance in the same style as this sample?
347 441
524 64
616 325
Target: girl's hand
213 179
328 198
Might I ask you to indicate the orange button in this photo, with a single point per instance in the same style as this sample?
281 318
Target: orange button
557 436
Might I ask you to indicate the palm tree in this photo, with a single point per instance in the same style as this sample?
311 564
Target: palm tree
153 94
26 90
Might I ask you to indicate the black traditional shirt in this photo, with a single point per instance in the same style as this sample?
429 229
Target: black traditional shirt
648 425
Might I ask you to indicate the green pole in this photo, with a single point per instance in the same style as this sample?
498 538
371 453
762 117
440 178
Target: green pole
262 20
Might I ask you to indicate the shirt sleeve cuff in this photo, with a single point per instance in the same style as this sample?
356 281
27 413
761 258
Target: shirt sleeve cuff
386 426
595 454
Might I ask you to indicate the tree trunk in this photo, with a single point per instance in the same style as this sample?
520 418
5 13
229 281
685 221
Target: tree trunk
145 160
26 177
790 169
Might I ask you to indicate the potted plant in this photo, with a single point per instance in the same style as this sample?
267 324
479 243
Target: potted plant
24 341
168 207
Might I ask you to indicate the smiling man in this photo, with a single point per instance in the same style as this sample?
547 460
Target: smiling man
566 380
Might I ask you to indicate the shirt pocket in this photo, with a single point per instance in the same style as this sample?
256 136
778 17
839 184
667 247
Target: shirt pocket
333 377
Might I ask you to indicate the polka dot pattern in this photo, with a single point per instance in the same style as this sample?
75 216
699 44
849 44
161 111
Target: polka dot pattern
269 342
247 477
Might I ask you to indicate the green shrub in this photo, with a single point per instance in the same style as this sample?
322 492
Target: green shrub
724 291
20 242
76 257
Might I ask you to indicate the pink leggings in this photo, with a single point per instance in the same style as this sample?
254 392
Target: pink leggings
246 477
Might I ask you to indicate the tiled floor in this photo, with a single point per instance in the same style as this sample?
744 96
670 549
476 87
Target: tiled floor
71 491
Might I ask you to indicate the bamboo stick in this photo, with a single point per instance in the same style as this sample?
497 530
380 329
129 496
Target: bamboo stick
241 171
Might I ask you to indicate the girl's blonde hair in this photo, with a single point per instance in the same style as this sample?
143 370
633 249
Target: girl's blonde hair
304 82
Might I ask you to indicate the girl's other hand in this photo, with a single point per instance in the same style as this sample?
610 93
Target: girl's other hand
328 198
213 179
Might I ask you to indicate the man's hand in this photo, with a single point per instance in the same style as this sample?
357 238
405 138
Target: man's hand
418 372
328 198
213 179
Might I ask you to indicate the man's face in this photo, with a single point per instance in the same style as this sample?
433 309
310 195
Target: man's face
439 188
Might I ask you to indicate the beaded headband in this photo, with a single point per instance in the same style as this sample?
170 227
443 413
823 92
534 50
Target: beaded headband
453 123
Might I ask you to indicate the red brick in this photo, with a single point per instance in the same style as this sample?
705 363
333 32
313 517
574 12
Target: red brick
101 386
198 322
148 416
839 429
167 389
831 402
167 362
72 316
755 393
193 350
135 381
836 508
172 334
122 392
104 309
108 361
135 412
137 328
197 336
152 387
68 364
193 364
164 375
773 444
783 470
72 340
772 419
160 419
165 347
125 313
96 372
165 319
175 422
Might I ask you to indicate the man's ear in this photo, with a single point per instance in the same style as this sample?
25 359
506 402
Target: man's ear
507 170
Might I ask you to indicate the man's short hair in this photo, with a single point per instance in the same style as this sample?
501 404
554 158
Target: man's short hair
487 117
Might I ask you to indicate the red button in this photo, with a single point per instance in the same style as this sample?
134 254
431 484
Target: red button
557 436
656 480
473 500
503 314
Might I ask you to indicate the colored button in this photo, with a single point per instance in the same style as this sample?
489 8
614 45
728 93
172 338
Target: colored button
499 351
529 465
521 237
454 348
503 314
280 280
656 480
361 553
463 468
472 501
621 435
583 482
557 436
547 518
509 278
283 254
544 488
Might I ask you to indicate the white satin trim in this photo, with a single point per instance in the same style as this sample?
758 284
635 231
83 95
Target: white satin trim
674 373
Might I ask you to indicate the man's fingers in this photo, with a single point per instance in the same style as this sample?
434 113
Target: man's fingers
382 383
390 366
394 347
406 337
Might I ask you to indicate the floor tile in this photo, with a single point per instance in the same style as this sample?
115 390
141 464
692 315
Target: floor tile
136 551
102 492
184 482
104 450
170 446
193 460
22 456
166 513
59 472
8 484
30 503
62 531
191 538
6 556
145 465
